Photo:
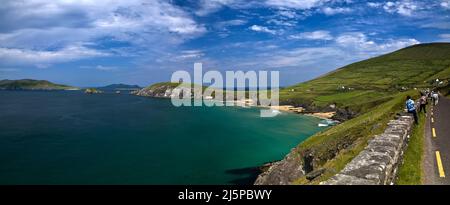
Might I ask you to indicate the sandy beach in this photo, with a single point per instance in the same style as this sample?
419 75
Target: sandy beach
323 115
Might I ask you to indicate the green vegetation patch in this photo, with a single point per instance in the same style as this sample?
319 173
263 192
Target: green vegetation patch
410 172
29 84
164 84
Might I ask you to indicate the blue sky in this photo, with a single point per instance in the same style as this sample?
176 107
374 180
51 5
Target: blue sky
99 42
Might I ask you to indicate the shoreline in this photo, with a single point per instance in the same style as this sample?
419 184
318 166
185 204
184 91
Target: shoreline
322 115
291 109
166 92
281 108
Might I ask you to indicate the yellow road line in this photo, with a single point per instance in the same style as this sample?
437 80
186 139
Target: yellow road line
439 164
434 132
432 120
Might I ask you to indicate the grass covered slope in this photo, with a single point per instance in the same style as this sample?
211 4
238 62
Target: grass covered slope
410 172
363 85
28 84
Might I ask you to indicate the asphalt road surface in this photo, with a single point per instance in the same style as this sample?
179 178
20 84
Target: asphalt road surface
437 143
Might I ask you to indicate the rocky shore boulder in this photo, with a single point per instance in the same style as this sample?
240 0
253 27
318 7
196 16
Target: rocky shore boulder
282 172
92 91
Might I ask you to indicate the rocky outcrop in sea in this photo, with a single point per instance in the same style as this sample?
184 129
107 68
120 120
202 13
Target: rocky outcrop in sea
92 91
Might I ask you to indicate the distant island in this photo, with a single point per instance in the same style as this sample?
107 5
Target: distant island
29 84
32 84
119 87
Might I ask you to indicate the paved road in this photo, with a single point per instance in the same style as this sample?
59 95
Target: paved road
437 144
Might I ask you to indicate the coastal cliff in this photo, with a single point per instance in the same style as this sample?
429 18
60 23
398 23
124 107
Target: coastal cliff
167 90
159 90
282 172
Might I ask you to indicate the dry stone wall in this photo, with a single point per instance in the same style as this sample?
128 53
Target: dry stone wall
377 164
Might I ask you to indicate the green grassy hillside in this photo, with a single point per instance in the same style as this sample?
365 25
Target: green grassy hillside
363 85
28 84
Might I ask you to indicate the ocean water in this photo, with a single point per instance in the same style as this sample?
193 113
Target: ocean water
67 137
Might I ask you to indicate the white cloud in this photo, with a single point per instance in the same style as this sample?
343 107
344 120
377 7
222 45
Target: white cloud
332 11
279 22
445 36
235 22
287 8
101 67
191 54
288 14
439 25
105 68
211 6
347 48
261 29
39 58
131 14
354 40
374 4
404 7
296 4
37 26
358 42
445 4
300 57
315 35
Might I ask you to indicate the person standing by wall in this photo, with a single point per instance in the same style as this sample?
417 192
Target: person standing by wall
411 107
435 97
423 103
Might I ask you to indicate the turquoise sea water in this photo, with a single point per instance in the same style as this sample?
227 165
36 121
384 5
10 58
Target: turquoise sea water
69 137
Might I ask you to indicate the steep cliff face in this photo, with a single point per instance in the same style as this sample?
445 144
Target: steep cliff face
283 172
159 90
